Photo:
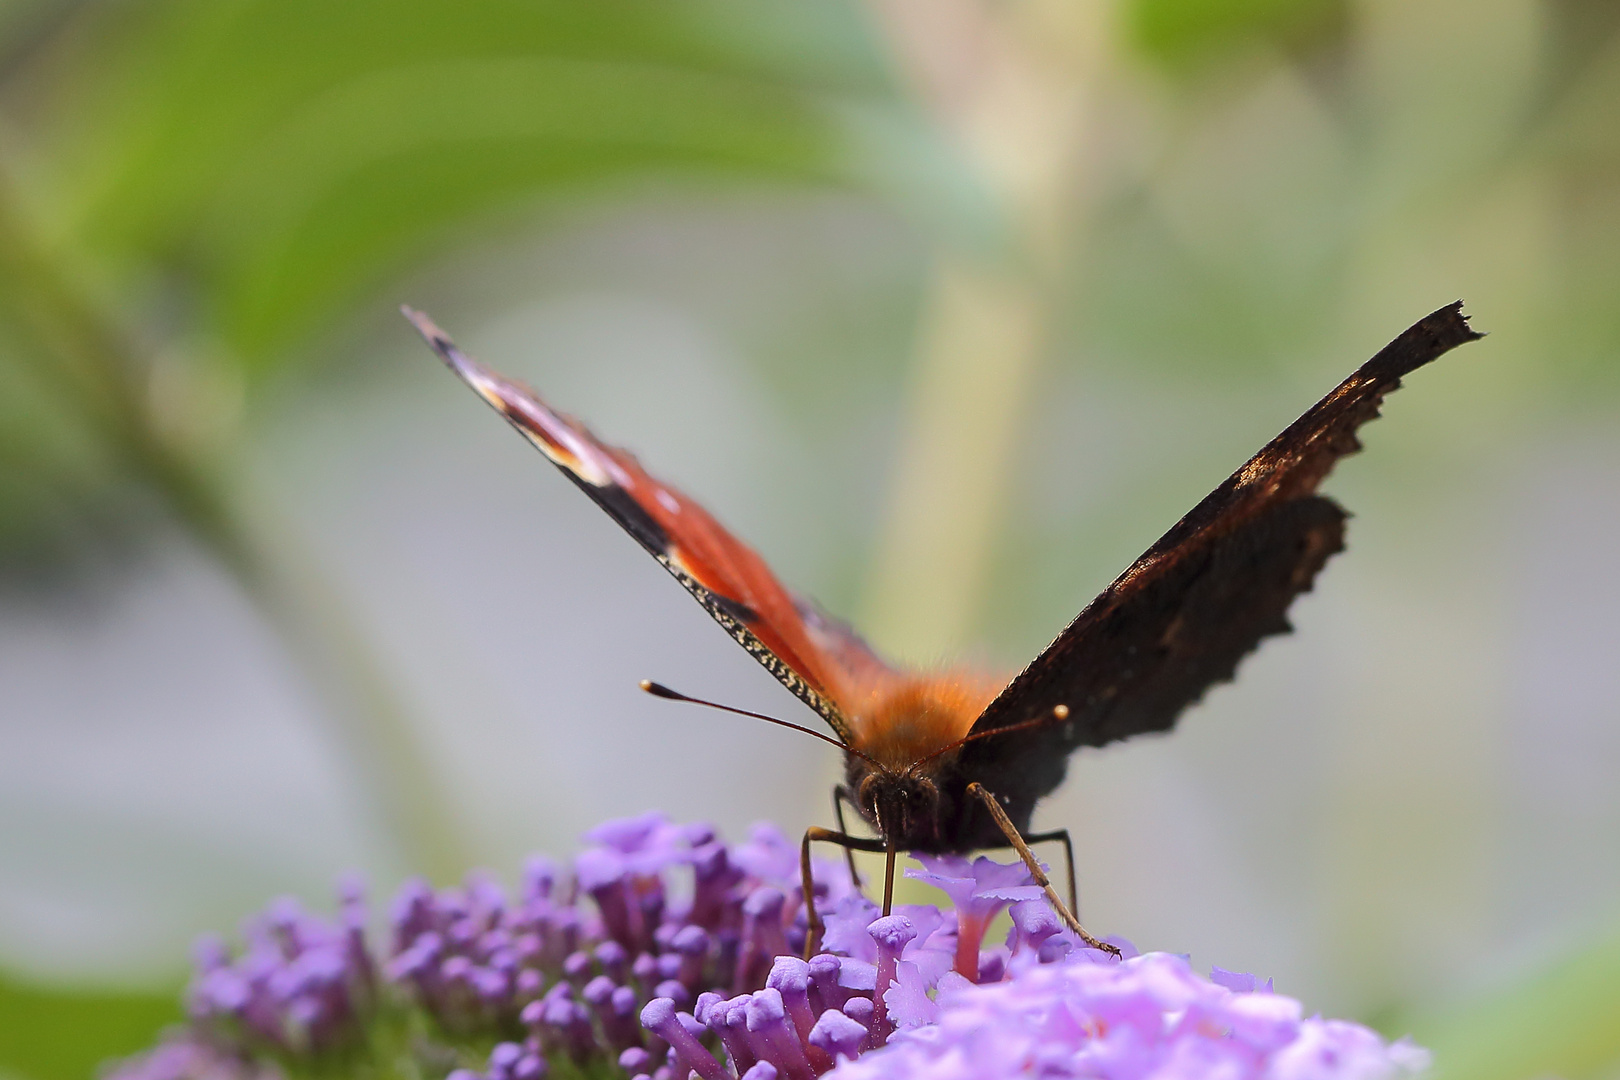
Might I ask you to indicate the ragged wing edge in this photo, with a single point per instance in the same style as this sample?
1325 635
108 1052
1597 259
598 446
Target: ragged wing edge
1290 466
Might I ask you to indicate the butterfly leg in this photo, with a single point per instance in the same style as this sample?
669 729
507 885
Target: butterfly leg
1061 835
814 833
1010 831
840 797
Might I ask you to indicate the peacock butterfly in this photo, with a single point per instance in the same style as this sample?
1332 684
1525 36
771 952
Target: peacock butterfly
955 761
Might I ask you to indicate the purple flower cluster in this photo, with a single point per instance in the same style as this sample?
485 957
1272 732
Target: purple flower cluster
813 1015
556 975
302 985
1094 1016
666 953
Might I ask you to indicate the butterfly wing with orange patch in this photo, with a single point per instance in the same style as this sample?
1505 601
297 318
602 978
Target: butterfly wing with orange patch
785 634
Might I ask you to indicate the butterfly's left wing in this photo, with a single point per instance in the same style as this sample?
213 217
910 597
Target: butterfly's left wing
1183 615
725 575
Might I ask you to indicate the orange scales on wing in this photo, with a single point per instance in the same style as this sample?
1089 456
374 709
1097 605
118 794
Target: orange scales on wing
702 548
896 717
705 549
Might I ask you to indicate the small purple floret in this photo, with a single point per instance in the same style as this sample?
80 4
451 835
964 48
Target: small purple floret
837 1035
774 1037
891 934
659 1016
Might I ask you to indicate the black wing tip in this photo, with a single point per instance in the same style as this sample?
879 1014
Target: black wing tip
1453 312
1425 341
1444 328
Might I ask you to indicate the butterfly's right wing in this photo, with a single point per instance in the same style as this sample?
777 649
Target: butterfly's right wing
1185 613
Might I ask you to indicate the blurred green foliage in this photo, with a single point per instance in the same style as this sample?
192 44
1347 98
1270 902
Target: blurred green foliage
1179 32
50 1033
218 180
269 159
1559 1021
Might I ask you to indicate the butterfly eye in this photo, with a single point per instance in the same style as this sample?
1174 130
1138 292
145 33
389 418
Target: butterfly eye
866 794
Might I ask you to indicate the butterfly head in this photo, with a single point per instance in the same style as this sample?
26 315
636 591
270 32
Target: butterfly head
906 738
903 806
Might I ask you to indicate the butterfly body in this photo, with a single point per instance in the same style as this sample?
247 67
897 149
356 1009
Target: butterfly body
921 716
954 761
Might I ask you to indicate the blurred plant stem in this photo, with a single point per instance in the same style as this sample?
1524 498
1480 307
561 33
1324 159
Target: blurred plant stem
80 350
1007 84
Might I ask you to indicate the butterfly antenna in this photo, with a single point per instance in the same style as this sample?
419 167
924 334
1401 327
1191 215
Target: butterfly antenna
1058 713
662 691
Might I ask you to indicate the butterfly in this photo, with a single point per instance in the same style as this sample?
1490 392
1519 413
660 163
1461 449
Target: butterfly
954 761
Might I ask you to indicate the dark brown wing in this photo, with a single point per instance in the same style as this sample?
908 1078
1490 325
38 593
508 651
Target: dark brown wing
1185 613
725 575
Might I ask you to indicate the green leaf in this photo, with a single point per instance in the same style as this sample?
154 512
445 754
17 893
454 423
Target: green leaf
50 1033
1177 32
263 163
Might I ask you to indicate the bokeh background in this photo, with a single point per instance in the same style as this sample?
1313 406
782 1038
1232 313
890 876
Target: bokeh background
949 307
